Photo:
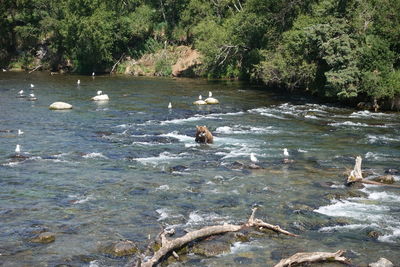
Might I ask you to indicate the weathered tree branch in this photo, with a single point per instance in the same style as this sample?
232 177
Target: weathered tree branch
116 63
356 175
299 258
35 69
170 245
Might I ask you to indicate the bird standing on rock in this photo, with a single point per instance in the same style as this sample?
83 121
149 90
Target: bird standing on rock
100 96
200 101
17 149
211 100
253 158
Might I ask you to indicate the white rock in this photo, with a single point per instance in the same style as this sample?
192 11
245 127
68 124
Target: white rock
382 262
212 100
100 97
200 101
60 105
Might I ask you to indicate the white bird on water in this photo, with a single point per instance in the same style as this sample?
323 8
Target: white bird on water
78 82
285 152
93 74
253 158
32 86
170 105
18 149
20 132
21 92
32 97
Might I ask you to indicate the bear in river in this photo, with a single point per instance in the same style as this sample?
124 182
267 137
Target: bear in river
203 135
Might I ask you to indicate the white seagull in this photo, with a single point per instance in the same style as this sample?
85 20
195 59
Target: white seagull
169 105
32 85
20 132
253 158
93 73
285 152
21 92
78 82
18 149
32 97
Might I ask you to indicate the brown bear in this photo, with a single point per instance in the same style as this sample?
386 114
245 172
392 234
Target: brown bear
203 135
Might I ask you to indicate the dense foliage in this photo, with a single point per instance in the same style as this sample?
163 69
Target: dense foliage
335 48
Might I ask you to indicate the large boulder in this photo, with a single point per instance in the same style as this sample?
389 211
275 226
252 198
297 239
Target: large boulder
382 262
60 106
100 98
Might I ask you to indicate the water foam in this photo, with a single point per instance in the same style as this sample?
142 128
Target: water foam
180 137
239 129
391 238
93 155
350 123
355 210
348 227
162 157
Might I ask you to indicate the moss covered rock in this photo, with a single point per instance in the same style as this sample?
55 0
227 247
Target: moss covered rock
44 238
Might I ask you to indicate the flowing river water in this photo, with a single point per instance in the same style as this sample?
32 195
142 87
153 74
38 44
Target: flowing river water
123 169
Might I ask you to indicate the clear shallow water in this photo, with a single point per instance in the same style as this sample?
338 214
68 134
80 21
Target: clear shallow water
109 171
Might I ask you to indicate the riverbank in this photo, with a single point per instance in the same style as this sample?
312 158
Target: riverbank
184 61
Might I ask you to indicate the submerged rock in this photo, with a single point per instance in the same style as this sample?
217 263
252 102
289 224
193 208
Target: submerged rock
382 262
44 238
178 168
385 179
374 234
60 106
121 248
211 248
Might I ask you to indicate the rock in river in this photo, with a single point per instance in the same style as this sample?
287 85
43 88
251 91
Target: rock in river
382 262
60 106
122 248
44 238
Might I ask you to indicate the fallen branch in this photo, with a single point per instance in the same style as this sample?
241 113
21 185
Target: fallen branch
356 175
34 69
116 63
307 257
170 245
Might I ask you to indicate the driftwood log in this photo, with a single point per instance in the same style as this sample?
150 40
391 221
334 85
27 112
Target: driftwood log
300 258
356 175
169 245
37 67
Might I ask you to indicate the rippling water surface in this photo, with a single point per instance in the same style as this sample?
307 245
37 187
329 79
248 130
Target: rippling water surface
123 169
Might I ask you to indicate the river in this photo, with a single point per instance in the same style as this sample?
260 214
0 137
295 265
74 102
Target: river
125 168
